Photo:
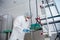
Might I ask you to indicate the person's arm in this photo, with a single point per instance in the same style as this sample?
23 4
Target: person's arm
17 23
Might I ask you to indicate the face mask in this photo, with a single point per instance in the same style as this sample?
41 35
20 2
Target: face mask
27 19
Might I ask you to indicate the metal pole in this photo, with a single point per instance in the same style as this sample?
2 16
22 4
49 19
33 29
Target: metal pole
31 19
58 34
53 21
30 10
45 15
36 9
51 15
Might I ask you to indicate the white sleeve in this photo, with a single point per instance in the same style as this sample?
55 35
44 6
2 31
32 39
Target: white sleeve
17 22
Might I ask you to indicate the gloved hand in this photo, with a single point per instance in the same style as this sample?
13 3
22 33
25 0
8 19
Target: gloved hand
26 30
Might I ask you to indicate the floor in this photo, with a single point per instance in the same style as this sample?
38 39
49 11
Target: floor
47 39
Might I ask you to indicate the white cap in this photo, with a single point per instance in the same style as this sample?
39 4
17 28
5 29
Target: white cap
27 15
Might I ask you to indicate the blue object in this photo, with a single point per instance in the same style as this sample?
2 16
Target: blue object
26 30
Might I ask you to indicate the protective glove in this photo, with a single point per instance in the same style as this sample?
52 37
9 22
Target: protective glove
26 30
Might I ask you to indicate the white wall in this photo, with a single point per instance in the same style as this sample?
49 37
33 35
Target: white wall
14 7
19 7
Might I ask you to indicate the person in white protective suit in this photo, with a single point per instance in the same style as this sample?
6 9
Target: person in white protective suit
21 26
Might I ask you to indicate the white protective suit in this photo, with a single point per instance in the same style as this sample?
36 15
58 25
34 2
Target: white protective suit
19 25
